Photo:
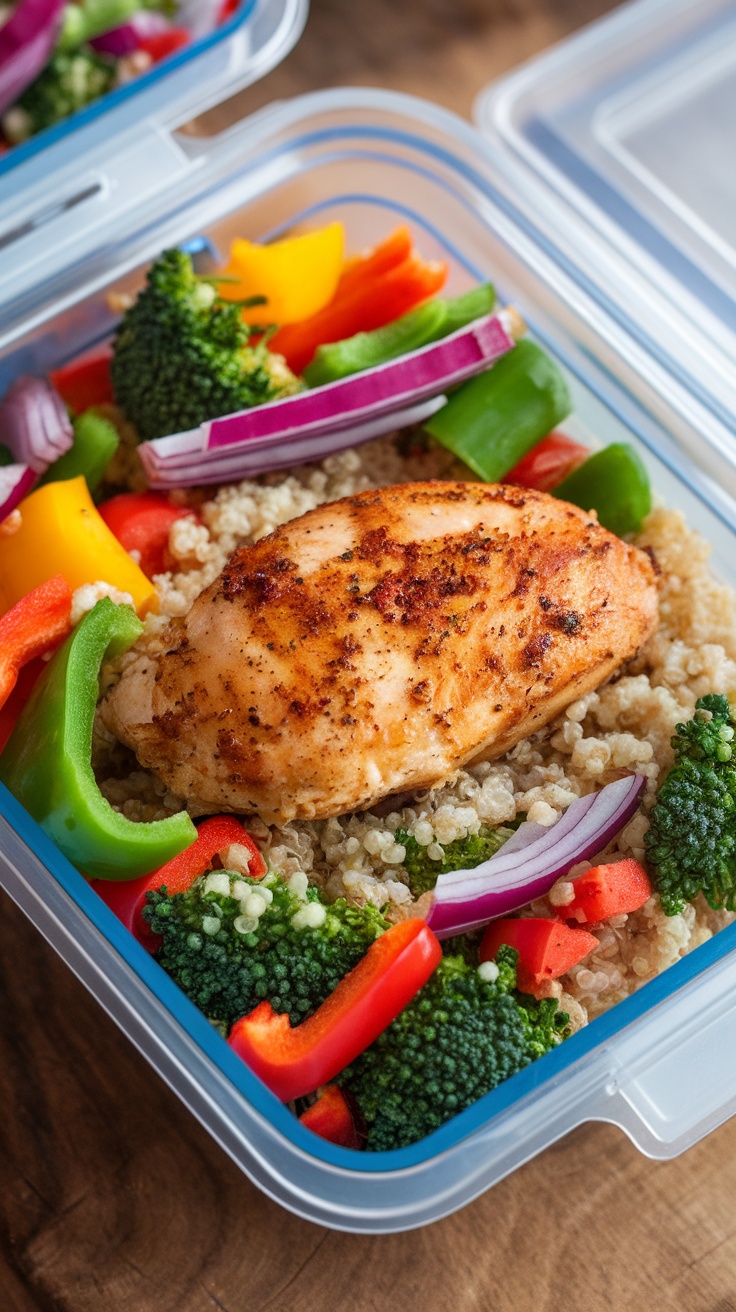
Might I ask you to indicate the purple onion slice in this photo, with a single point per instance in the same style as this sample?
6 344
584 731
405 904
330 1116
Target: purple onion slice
532 860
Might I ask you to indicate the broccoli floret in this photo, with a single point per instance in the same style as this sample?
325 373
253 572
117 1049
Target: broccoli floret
182 356
227 961
460 1037
691 842
69 81
462 854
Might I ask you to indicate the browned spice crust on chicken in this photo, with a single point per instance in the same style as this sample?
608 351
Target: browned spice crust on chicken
377 643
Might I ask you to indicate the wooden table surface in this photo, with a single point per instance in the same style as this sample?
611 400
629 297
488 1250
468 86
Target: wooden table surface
112 1197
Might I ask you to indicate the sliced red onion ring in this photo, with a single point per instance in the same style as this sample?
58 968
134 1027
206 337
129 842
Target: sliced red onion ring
532 860
248 463
127 38
337 411
16 482
200 16
34 423
26 42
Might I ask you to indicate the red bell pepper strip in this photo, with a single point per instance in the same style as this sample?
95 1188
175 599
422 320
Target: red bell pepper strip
367 306
295 1061
548 463
609 890
12 708
332 1118
141 522
162 44
34 625
127 898
85 382
546 948
227 9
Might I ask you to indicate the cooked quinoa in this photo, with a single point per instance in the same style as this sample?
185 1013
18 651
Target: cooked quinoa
626 725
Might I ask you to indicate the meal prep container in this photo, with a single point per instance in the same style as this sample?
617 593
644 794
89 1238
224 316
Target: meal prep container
214 65
661 1064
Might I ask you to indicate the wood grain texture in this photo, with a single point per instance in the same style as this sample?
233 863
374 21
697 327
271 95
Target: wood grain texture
112 1199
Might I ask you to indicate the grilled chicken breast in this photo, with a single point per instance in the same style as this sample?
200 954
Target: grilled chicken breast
378 643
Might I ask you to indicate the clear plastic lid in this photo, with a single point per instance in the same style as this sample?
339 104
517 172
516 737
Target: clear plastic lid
618 149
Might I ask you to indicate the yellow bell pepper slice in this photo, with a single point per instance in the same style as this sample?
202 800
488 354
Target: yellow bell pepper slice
61 532
298 276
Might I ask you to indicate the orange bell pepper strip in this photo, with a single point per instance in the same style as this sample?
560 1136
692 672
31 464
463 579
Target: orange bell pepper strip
295 1061
546 948
332 1117
127 898
34 625
608 890
85 382
367 306
362 270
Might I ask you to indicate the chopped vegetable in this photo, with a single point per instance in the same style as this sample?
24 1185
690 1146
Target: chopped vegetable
547 948
328 418
231 942
34 424
463 1034
128 898
95 442
16 481
364 307
84 20
363 271
46 763
551 460
27 38
691 841
160 45
62 531
182 356
332 1117
31 627
614 483
532 860
462 854
293 1061
615 889
493 420
9 712
133 34
141 522
84 382
67 84
297 277
429 322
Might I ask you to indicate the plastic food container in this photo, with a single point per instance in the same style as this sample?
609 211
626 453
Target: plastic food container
661 1064
214 65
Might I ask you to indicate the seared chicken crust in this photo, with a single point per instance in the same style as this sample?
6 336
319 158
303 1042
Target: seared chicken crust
380 642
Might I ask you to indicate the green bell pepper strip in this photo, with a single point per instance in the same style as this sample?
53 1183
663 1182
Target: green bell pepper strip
615 484
84 20
95 442
492 421
427 323
46 763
